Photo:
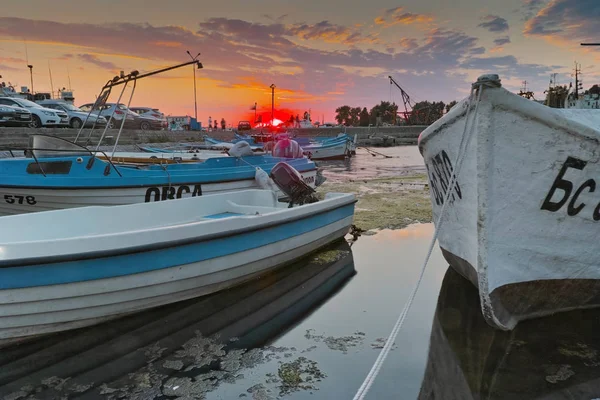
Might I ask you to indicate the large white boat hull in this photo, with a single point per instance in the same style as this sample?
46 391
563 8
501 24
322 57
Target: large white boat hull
522 219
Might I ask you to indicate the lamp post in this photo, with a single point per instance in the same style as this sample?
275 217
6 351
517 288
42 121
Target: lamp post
195 98
31 76
272 103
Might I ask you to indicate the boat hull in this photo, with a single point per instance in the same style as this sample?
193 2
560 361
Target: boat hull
523 215
19 200
77 293
332 151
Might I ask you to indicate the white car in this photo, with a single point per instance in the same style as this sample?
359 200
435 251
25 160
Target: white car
40 116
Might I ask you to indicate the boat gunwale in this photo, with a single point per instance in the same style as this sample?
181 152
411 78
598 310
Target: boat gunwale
503 99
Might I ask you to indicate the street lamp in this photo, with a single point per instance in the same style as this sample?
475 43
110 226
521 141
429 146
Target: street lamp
31 75
195 98
272 103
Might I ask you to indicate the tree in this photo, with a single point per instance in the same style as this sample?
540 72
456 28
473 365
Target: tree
594 89
342 114
364 117
426 113
450 105
354 117
386 110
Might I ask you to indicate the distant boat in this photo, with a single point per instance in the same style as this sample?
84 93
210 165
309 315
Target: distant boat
67 269
78 178
522 218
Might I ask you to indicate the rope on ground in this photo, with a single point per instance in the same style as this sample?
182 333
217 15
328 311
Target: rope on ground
373 152
464 144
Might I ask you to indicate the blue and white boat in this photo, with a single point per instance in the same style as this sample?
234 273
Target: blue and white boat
47 181
65 269
332 149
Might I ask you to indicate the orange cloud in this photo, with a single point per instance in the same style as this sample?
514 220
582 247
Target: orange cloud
167 44
330 33
396 16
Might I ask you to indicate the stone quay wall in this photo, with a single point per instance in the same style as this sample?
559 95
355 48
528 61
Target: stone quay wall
389 136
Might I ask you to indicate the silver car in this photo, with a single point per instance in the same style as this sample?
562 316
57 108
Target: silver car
76 115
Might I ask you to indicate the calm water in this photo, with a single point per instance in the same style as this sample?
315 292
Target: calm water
314 329
400 161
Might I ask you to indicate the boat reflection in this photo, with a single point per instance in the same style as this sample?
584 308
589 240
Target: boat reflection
555 357
182 349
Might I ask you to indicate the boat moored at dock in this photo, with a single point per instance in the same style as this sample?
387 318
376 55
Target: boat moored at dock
514 183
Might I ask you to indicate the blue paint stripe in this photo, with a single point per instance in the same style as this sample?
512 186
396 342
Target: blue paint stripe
108 267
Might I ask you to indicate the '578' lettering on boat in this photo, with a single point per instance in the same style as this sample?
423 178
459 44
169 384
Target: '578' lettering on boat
564 188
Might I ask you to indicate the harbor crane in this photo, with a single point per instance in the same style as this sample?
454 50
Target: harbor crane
412 117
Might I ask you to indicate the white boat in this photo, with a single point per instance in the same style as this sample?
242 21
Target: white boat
329 150
66 269
522 217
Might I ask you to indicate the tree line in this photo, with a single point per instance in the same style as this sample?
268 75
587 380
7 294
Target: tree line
423 113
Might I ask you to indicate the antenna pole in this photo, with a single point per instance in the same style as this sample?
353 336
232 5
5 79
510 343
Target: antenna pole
51 83
31 76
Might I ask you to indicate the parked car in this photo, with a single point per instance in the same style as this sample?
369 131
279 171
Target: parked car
244 126
132 120
151 112
14 116
76 115
40 116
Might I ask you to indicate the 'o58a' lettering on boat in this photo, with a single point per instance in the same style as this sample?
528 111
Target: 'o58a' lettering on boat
18 199
440 171
575 206
171 192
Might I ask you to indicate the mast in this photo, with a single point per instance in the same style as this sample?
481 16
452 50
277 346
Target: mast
578 82
51 83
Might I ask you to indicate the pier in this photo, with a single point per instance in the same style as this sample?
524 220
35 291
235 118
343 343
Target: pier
367 136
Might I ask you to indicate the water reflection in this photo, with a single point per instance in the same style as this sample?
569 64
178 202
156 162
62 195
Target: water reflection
183 349
554 357
402 160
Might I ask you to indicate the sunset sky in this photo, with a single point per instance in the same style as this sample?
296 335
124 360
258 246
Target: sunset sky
319 54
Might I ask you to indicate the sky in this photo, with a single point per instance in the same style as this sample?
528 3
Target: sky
319 54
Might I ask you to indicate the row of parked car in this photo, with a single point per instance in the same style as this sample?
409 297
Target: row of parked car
15 111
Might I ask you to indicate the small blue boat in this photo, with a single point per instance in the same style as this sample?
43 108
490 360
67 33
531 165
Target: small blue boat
82 179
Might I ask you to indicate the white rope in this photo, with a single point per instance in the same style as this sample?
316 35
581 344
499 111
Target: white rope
467 134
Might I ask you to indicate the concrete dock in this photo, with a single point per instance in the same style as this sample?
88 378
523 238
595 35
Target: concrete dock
389 136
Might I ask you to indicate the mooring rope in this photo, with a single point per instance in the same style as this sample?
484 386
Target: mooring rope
465 141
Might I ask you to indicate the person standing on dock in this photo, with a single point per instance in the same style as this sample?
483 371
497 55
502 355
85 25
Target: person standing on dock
216 125
209 122
223 124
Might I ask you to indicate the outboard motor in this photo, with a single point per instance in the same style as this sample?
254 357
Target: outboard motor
290 182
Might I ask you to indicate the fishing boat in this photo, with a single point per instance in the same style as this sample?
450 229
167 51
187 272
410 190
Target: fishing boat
513 191
333 149
67 269
219 144
547 358
133 157
47 181
235 320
